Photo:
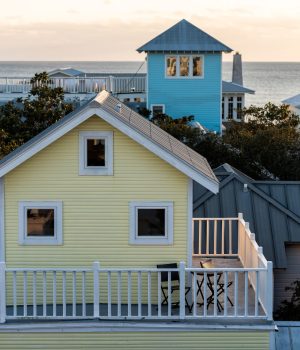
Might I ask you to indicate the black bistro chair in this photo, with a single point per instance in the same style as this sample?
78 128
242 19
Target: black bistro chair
210 284
174 285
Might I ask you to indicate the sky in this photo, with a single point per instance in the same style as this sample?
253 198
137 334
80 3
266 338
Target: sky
112 30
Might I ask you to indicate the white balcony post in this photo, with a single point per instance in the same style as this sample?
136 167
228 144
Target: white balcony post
269 290
182 289
2 292
96 268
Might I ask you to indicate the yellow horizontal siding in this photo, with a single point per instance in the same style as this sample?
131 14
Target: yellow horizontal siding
95 208
137 340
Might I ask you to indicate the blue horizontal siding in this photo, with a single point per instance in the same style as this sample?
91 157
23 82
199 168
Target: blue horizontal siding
182 97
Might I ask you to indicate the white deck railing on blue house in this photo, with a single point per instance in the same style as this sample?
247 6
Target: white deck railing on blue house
78 85
135 293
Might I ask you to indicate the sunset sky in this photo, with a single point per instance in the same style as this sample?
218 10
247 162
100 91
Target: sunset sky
111 30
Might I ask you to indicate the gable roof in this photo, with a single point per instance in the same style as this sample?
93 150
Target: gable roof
272 208
184 37
71 72
150 136
229 87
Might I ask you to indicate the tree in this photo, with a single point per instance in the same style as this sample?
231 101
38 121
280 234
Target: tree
269 138
23 119
289 310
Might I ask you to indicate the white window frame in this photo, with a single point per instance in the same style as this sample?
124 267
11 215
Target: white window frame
149 240
96 170
190 76
58 232
157 105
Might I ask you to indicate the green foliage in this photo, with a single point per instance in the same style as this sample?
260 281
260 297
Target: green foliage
25 118
289 310
270 138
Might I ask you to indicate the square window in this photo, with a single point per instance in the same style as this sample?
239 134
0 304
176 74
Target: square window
157 109
96 153
151 223
40 223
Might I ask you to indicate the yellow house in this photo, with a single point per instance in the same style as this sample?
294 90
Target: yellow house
88 209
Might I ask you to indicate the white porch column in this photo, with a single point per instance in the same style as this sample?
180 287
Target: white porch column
225 107
234 107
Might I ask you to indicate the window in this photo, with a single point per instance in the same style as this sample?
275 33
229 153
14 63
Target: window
151 223
137 99
184 66
40 223
96 153
171 66
157 109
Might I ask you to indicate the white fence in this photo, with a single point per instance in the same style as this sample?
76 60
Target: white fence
79 85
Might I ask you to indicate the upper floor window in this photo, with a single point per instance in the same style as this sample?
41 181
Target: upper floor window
184 66
96 153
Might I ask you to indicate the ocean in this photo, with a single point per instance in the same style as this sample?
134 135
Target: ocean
272 81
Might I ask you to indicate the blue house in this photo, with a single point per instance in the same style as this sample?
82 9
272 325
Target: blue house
184 66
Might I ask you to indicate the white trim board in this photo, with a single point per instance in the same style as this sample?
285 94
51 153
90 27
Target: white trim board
129 326
143 140
2 216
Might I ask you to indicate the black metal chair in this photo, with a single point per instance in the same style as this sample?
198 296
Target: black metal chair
174 285
210 284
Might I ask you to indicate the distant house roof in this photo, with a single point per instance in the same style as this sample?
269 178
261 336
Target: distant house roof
70 72
272 208
184 37
130 123
229 87
293 101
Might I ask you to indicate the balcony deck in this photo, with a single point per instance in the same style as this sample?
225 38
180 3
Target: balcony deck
235 274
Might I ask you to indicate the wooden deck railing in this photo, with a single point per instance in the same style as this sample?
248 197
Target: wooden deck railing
78 85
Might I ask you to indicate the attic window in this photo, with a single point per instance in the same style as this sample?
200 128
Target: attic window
96 153
184 66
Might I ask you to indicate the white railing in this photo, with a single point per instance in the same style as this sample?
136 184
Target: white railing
231 237
80 85
215 237
133 293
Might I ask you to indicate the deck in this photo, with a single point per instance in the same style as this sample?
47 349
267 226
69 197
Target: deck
235 283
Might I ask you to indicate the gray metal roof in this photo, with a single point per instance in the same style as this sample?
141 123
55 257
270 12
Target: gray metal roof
293 101
229 87
271 207
155 134
184 37
118 110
